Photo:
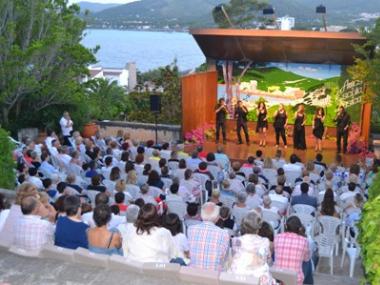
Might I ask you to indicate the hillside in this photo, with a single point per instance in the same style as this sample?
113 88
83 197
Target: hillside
95 7
197 13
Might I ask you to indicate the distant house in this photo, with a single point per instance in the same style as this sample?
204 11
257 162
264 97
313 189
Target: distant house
125 77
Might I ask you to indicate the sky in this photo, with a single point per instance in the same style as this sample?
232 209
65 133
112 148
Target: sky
103 1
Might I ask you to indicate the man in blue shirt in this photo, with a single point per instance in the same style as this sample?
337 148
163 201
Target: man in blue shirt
304 198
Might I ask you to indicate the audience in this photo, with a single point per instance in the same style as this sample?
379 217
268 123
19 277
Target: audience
208 244
305 198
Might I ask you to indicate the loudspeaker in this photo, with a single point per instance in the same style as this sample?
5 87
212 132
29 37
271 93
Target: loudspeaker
155 103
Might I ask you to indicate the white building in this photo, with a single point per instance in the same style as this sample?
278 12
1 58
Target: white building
125 77
286 23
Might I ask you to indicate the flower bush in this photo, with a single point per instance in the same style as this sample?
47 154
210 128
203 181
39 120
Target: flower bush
355 143
200 134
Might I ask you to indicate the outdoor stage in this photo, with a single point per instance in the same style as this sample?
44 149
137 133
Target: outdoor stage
241 152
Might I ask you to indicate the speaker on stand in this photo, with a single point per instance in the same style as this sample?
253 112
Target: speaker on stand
155 107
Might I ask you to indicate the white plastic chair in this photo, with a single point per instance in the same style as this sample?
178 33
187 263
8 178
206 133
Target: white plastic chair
202 179
173 165
351 247
303 209
272 218
328 238
291 177
154 191
214 170
271 175
308 221
92 195
133 190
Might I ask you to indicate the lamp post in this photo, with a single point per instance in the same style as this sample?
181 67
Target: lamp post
321 10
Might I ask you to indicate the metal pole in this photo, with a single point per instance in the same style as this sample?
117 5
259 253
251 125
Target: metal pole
155 126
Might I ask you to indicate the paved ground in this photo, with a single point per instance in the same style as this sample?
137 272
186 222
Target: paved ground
17 270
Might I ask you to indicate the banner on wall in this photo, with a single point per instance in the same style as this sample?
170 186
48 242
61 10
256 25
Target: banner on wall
314 85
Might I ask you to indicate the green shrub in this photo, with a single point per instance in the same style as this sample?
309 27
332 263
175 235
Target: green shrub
7 165
369 238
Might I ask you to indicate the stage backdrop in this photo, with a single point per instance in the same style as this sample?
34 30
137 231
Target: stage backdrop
314 85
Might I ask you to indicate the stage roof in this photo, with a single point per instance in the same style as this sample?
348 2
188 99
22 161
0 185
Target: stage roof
278 46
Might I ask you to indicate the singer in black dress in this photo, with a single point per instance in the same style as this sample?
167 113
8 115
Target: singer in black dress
319 128
299 129
262 123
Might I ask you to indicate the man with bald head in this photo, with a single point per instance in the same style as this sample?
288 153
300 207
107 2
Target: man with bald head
32 229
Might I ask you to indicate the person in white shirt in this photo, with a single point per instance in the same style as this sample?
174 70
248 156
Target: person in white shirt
87 218
293 166
173 223
67 127
147 241
51 135
348 196
144 194
46 168
64 155
54 149
279 197
31 231
240 209
34 179
253 201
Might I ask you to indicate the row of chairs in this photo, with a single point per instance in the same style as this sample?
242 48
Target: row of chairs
153 269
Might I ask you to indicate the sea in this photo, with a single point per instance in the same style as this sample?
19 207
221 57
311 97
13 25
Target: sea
149 50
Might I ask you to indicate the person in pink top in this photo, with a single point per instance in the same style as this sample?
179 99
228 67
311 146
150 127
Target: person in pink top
291 248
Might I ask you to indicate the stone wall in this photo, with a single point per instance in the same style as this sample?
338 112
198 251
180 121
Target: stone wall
141 131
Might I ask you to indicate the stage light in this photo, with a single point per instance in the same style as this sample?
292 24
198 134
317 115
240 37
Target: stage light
269 10
320 9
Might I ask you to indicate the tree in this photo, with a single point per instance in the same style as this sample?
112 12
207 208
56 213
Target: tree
41 58
7 164
106 99
242 13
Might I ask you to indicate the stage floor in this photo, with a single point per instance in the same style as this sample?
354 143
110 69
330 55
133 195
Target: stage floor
241 152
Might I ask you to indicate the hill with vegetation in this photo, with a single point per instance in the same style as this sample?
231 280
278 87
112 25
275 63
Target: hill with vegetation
95 7
158 14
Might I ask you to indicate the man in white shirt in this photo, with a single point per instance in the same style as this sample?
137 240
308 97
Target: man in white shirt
279 198
54 148
102 199
66 127
34 179
64 155
293 166
46 168
253 201
31 231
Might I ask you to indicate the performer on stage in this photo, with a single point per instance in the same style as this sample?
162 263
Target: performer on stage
280 123
343 123
319 128
299 139
241 112
262 123
221 113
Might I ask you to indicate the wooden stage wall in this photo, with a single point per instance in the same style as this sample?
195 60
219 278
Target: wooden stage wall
199 95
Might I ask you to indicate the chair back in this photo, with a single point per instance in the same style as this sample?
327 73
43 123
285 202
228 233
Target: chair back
92 195
271 218
328 234
173 165
154 191
291 177
177 207
303 209
214 170
133 190
271 175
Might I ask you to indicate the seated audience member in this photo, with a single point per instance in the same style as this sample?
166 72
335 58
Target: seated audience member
106 169
49 189
251 252
354 210
259 160
227 192
240 209
71 232
215 197
349 195
119 202
225 221
202 169
235 183
305 198
46 168
90 169
278 160
253 201
165 173
319 161
192 217
210 159
131 217
173 195
144 194
96 184
155 180
260 188
174 225
293 166
291 248
193 161
250 162
328 205
280 197
222 158
24 190
121 187
32 232
266 231
100 239
148 242
208 243
267 205
236 168
34 179
71 182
